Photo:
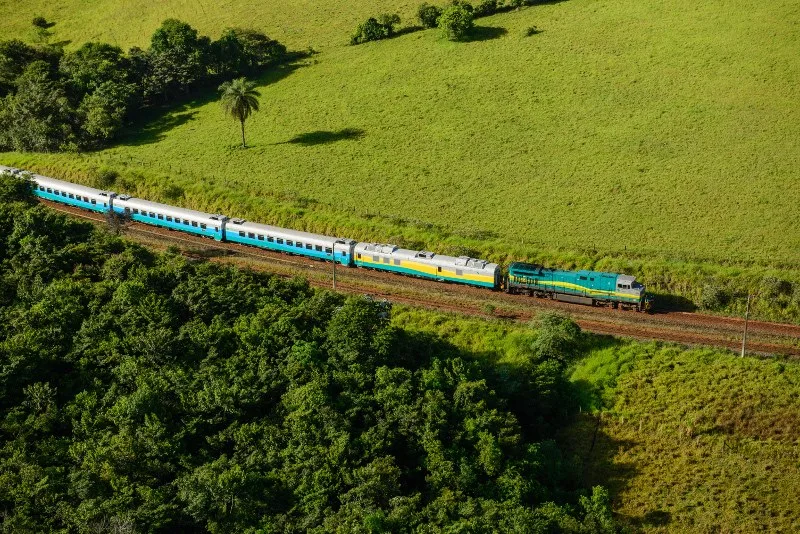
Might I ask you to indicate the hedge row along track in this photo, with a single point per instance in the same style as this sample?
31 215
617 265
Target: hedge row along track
679 327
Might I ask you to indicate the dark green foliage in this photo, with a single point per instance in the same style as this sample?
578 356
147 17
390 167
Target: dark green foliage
82 99
152 393
375 29
428 15
38 116
485 8
713 297
455 22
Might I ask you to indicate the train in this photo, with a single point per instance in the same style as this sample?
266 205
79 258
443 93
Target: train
581 287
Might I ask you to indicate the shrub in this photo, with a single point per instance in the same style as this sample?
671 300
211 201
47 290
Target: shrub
105 178
455 23
775 287
463 3
532 30
428 15
374 29
485 8
713 297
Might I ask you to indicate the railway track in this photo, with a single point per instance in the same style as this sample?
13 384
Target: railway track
679 327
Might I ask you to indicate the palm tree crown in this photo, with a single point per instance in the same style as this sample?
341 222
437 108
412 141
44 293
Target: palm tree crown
239 100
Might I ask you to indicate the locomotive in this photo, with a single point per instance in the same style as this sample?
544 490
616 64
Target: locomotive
581 287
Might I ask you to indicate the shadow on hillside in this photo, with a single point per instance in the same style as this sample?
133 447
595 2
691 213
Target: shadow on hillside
485 33
665 303
407 30
152 125
323 137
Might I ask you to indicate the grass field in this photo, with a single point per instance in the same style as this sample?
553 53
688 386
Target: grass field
687 441
665 130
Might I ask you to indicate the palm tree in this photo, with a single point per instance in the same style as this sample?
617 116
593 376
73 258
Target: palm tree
239 100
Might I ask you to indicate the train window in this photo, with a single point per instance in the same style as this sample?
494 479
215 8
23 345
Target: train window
160 217
94 201
328 250
309 246
260 237
177 220
387 260
280 241
105 205
241 234
583 278
86 199
298 244
438 269
169 219
318 248
270 239
359 256
251 235
136 211
72 196
152 215
186 223
194 223
202 226
289 243
63 193
376 258
49 190
459 272
591 279
344 253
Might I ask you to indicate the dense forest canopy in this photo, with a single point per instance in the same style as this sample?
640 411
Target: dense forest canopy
147 392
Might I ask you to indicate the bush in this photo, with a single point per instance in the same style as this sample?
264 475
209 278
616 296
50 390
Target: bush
105 178
775 287
713 297
375 29
455 23
485 8
429 15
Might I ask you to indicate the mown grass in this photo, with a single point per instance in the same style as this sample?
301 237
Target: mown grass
693 440
657 138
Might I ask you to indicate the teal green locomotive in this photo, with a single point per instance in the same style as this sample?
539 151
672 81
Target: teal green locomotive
580 287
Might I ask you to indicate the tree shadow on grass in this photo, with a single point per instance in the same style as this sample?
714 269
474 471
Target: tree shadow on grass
485 33
152 125
322 137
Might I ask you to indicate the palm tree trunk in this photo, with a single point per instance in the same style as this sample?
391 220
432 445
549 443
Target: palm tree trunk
243 144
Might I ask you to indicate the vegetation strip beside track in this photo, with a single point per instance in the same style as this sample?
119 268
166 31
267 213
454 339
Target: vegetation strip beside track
680 327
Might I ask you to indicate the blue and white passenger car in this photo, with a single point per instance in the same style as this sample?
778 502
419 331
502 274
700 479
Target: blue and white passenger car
290 241
166 216
72 194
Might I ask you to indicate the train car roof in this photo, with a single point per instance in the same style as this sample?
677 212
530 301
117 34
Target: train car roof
429 257
70 187
166 209
536 269
277 231
66 186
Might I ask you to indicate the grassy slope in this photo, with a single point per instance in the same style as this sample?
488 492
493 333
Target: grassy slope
689 441
664 129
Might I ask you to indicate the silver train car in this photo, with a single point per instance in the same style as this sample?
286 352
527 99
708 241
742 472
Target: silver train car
185 220
290 241
425 264
73 194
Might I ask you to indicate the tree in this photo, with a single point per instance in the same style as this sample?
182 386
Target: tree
177 60
428 15
239 100
455 22
38 117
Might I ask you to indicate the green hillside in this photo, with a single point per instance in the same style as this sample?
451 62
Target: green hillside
664 129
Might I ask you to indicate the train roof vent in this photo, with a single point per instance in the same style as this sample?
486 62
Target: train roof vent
124 197
462 261
237 221
388 249
425 254
476 263
219 217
